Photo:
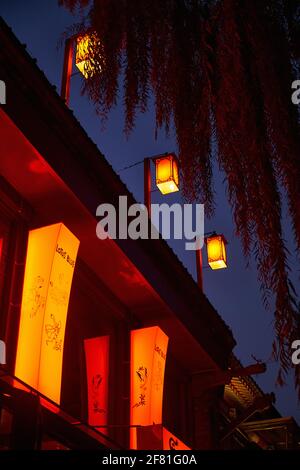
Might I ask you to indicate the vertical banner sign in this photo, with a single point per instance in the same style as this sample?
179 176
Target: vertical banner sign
97 374
50 263
147 370
171 442
157 437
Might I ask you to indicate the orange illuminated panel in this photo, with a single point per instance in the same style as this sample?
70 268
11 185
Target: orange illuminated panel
167 175
216 252
157 437
50 262
147 370
97 372
171 442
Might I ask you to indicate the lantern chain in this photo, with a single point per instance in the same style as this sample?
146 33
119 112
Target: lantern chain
152 157
130 166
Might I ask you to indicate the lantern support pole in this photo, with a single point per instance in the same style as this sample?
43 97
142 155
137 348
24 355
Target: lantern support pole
67 70
199 264
147 185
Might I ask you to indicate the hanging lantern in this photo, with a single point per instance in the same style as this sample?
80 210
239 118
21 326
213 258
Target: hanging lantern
216 252
167 174
85 47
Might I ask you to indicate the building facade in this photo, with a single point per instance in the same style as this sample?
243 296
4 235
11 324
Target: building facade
122 298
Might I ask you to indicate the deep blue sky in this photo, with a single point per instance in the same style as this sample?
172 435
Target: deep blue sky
234 292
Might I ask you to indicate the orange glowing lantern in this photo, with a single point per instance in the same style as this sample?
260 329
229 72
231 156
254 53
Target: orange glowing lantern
147 370
167 174
50 263
85 48
97 366
216 252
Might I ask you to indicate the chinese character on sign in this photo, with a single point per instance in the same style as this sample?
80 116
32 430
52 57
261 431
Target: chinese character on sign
142 374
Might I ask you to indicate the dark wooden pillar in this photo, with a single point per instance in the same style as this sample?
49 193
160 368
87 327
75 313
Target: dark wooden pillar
205 430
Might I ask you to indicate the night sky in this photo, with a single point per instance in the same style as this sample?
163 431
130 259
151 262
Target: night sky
234 292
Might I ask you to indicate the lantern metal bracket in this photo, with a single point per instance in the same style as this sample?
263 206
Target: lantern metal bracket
259 404
212 379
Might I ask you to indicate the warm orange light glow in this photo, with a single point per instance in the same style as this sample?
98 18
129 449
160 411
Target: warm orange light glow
216 252
83 61
50 262
167 174
157 437
171 442
97 369
147 369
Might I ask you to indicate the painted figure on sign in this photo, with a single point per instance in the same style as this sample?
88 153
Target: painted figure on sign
142 374
96 382
52 332
35 302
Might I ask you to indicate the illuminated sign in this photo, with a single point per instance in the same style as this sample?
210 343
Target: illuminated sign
157 437
147 370
171 442
50 262
97 367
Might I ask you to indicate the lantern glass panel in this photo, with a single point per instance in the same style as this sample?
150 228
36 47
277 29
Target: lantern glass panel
83 60
167 175
216 252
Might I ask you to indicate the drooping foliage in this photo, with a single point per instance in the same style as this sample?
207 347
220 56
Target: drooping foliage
220 71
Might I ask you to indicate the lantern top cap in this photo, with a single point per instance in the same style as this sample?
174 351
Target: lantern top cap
216 235
165 155
84 34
